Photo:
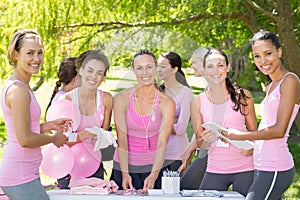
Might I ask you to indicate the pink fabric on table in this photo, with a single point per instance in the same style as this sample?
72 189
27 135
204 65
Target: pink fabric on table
89 190
93 183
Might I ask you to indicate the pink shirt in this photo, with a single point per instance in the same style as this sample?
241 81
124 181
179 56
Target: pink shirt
225 159
87 121
19 165
141 150
178 143
273 155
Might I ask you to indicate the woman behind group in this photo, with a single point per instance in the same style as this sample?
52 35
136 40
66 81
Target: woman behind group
95 106
67 79
192 174
19 172
144 120
176 87
273 163
230 107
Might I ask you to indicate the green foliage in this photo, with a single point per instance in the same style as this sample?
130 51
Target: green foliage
119 29
251 79
2 131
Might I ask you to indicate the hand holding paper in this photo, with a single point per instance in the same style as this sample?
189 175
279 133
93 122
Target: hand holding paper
242 144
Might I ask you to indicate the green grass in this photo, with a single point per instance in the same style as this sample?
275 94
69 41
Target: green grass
196 90
117 89
118 79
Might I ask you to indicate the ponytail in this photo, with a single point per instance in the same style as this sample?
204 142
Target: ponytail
57 86
237 96
180 77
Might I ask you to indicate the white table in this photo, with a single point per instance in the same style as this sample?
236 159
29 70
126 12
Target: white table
65 195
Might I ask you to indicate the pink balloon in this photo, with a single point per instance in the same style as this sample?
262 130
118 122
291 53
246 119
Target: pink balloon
57 162
90 148
86 161
64 109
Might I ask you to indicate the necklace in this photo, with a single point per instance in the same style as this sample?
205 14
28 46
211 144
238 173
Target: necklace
99 119
151 118
221 99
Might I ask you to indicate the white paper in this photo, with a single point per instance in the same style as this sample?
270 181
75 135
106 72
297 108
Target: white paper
242 144
72 137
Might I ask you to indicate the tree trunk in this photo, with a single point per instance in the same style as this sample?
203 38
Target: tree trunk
291 51
284 25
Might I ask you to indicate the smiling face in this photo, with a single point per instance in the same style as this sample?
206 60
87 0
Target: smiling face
215 68
30 57
144 67
165 69
266 56
92 73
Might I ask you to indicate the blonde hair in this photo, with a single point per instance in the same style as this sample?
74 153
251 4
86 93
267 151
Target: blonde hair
17 43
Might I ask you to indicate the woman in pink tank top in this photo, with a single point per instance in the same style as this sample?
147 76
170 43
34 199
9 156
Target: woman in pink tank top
94 106
19 171
144 120
229 106
274 165
175 86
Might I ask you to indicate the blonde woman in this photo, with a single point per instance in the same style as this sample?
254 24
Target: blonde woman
144 120
19 172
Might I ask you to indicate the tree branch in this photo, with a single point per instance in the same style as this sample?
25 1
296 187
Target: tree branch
258 8
250 20
106 26
118 24
272 3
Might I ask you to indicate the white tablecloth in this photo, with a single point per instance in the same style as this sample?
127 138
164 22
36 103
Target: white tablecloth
65 195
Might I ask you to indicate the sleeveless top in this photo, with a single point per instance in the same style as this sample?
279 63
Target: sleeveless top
273 155
19 165
221 159
177 143
141 150
87 121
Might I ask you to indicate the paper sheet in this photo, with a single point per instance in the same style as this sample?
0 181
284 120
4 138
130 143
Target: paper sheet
242 144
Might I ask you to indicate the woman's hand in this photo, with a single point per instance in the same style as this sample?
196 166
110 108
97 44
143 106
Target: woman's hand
186 160
59 139
126 181
61 125
86 135
248 152
230 135
149 182
208 136
205 137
